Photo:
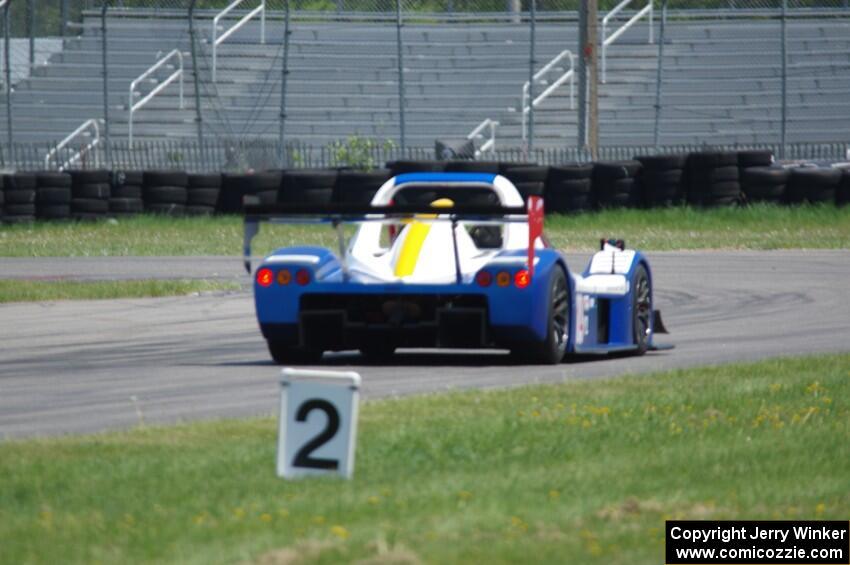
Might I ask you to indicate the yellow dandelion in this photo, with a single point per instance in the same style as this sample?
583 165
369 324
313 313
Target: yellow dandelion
266 517
553 494
373 500
283 513
464 495
318 520
535 414
239 512
820 509
340 532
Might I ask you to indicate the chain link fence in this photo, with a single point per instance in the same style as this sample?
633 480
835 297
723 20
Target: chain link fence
309 82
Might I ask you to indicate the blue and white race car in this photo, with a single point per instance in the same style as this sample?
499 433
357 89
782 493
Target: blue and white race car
448 260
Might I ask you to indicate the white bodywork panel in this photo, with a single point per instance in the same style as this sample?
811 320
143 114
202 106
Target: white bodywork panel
435 264
608 272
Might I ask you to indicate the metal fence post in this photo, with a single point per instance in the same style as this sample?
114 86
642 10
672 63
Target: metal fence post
400 56
284 154
660 76
195 80
784 79
106 138
8 75
532 8
582 75
63 17
31 32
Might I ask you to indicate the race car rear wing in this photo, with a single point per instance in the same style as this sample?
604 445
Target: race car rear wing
339 214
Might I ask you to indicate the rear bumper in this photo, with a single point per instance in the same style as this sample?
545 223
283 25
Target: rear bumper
340 322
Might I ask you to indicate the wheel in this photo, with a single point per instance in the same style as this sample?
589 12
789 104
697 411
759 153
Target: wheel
641 309
553 349
286 354
377 351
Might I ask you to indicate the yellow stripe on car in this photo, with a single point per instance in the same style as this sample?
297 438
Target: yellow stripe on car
416 233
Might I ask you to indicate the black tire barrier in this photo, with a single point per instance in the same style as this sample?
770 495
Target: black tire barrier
713 179
53 211
126 197
842 193
764 184
100 190
569 189
358 187
53 195
234 187
90 194
19 181
125 206
204 180
19 194
49 179
615 184
812 185
402 167
491 167
49 196
2 197
202 196
313 186
173 210
164 192
755 158
530 180
165 178
661 179
166 195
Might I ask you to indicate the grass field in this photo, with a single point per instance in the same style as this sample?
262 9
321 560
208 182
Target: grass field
755 227
34 291
583 472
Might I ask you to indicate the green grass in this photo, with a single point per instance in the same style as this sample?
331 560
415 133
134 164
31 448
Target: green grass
582 472
755 227
12 290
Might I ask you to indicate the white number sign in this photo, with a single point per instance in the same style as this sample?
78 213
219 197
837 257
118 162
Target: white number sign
318 422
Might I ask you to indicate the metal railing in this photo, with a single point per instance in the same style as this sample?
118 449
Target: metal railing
138 105
606 40
490 142
87 125
567 76
217 40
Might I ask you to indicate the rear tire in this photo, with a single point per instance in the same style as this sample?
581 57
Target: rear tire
286 354
553 349
641 309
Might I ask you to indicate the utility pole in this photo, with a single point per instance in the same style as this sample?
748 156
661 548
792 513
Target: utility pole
588 116
593 77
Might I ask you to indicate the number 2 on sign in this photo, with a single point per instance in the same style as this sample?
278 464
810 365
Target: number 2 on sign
303 457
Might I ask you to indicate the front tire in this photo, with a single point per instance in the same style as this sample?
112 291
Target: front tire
553 349
285 354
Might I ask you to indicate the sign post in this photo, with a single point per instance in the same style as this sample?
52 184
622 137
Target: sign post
318 423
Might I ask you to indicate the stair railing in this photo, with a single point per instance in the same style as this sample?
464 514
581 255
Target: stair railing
608 40
566 76
135 107
489 143
89 127
219 39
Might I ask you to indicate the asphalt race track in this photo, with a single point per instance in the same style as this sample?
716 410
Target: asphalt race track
87 366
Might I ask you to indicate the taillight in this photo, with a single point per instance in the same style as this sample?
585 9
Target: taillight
302 277
284 277
521 279
503 278
483 278
265 277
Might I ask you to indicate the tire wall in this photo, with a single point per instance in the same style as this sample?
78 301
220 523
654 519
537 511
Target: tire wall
705 179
